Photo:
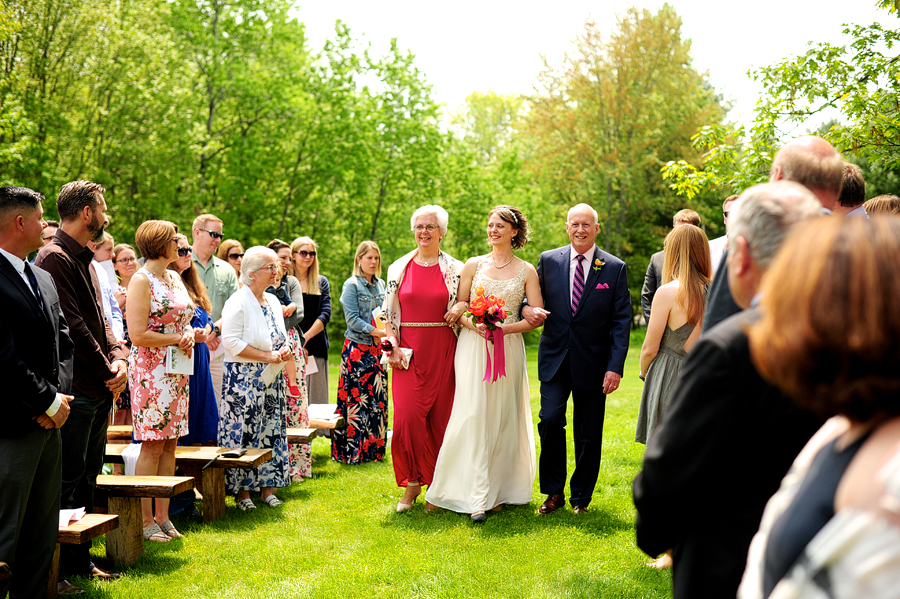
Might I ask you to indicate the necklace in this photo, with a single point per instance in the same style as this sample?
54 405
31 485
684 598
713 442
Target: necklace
425 262
500 267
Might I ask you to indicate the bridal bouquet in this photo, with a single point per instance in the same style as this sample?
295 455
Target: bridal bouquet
488 309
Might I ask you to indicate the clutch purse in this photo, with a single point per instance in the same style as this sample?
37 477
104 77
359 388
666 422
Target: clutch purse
405 357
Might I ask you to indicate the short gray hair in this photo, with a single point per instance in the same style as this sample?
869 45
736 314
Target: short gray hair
764 214
439 213
254 259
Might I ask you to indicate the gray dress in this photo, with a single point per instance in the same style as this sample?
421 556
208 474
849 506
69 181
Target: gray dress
660 380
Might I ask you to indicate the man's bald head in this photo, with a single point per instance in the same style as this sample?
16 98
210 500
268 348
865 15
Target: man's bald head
814 163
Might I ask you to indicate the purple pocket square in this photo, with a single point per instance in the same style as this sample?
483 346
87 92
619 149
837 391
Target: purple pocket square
601 286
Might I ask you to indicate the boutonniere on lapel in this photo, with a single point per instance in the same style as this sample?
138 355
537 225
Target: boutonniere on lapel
598 265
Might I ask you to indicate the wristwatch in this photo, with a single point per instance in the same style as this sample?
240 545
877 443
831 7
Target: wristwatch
216 330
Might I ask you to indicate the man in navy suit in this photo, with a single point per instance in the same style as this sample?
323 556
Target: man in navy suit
587 324
35 365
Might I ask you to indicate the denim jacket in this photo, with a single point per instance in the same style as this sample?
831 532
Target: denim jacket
360 298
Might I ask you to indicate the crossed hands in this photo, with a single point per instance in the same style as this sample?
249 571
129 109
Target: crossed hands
282 355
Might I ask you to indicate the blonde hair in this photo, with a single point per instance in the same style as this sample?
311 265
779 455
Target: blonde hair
688 261
312 275
361 251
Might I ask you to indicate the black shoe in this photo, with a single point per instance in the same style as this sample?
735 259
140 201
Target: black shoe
64 587
478 517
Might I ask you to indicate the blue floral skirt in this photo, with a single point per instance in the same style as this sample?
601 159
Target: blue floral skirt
253 416
362 401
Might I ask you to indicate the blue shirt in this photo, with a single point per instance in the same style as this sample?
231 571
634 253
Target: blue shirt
360 298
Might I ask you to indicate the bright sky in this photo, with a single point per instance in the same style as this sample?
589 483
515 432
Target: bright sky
468 46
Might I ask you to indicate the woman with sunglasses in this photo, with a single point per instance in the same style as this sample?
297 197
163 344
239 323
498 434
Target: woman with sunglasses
231 252
253 411
316 314
203 412
287 289
159 316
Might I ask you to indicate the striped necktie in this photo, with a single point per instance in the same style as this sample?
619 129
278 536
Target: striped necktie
578 284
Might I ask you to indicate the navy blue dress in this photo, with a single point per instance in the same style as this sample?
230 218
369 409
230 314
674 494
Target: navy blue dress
203 413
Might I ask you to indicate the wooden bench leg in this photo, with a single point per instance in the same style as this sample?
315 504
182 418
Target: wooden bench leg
52 582
213 484
125 545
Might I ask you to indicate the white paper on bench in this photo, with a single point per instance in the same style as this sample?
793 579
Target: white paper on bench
67 516
130 456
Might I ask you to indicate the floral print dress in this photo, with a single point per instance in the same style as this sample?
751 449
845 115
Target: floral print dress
159 401
362 401
297 415
253 415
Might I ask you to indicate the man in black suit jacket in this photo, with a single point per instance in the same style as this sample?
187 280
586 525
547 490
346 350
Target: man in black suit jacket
35 365
729 437
653 278
582 353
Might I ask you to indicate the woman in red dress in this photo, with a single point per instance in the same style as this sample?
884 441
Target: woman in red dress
422 287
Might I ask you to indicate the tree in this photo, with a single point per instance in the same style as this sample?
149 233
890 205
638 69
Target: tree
605 121
858 80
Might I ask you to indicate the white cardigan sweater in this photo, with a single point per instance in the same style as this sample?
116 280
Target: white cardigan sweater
243 324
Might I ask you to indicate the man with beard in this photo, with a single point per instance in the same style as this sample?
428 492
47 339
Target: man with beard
100 363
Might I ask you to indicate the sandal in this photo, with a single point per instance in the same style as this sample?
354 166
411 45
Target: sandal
273 501
169 529
246 505
154 533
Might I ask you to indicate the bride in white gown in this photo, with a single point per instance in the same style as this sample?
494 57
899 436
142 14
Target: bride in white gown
487 458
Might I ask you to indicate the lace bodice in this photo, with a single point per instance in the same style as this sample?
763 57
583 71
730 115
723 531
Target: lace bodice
512 290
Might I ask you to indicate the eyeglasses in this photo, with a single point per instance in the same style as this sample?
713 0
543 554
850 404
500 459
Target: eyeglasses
726 213
184 251
213 234
47 238
305 254
235 256
429 228
130 260
271 267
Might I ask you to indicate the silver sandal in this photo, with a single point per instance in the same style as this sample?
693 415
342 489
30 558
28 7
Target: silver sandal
246 505
169 529
273 501
154 533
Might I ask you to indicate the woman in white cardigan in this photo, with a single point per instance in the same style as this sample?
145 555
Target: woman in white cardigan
253 411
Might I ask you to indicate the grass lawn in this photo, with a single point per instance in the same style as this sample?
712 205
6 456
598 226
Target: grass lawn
338 536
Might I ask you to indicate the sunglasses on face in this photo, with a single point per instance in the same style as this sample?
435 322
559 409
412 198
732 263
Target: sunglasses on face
184 251
213 234
235 256
305 254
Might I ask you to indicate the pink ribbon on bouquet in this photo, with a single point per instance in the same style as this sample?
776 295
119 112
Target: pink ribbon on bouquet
495 335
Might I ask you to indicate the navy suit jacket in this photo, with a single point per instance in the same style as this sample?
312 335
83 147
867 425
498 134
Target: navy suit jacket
596 336
35 350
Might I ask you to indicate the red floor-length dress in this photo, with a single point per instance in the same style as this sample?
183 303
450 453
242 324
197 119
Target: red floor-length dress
423 394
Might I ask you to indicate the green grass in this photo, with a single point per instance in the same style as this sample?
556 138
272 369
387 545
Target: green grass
338 536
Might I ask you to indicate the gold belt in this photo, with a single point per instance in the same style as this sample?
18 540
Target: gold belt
424 324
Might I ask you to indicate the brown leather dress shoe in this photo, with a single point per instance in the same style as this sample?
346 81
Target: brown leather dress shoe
553 503
579 509
64 587
98 574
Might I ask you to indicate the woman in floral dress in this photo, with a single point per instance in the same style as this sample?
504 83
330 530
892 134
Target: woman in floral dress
159 316
253 412
362 388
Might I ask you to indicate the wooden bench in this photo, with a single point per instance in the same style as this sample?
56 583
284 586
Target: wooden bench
300 436
323 416
118 432
210 482
88 528
125 545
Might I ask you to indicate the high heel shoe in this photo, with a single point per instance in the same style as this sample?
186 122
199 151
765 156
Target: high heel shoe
402 507
478 517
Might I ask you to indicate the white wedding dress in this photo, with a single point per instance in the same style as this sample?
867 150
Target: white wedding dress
488 457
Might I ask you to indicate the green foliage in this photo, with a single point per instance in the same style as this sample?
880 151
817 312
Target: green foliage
858 80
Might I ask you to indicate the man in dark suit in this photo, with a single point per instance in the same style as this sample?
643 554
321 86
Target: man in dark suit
35 366
587 324
729 437
653 278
